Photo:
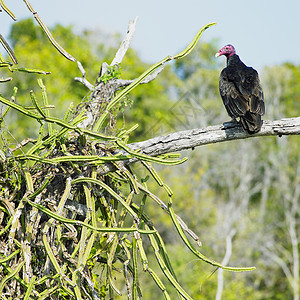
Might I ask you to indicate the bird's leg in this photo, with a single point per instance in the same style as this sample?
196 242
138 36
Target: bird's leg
231 123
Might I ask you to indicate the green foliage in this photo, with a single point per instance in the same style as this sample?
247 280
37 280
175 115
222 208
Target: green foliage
112 72
291 97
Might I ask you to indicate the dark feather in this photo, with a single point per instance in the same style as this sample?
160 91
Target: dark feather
242 94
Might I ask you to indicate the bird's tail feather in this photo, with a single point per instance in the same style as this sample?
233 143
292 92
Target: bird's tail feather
251 122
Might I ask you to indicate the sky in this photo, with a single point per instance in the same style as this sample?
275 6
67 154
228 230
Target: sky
264 32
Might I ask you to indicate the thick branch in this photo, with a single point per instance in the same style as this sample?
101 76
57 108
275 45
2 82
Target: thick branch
189 139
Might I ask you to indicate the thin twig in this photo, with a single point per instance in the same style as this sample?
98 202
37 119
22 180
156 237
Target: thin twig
85 83
82 79
120 83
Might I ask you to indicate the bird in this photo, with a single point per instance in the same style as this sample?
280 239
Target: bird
241 91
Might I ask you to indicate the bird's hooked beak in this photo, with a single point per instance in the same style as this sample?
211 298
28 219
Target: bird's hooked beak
218 54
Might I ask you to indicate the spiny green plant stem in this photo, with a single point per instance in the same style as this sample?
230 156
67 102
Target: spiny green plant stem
59 122
135 270
8 48
158 244
71 158
80 223
149 158
11 275
36 104
41 188
30 287
109 190
195 251
18 279
28 70
159 283
9 257
53 258
165 269
7 10
110 258
48 33
53 138
46 102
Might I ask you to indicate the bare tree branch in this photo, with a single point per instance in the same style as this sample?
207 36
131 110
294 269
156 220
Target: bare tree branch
121 83
125 43
189 139
82 79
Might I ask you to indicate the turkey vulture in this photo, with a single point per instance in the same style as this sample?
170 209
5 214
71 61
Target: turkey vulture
241 91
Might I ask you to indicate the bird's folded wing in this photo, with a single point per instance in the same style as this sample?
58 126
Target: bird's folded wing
257 104
235 103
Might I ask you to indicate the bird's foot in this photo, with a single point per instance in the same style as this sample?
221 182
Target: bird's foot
231 124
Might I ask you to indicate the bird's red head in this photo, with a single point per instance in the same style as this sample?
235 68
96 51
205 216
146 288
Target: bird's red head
227 50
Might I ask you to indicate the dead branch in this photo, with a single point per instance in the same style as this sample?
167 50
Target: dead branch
190 139
125 43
